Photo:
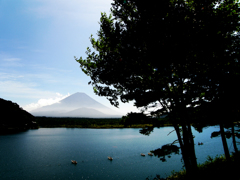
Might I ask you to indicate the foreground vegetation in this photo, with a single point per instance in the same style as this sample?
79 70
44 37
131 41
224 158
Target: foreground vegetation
217 168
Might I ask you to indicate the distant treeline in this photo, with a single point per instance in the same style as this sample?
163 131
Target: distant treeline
99 122
131 120
74 122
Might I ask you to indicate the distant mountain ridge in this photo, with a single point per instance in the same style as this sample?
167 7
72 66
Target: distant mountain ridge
76 105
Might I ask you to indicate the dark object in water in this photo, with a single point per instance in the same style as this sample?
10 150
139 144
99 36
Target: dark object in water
74 162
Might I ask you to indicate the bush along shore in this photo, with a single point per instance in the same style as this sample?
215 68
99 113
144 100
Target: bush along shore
213 168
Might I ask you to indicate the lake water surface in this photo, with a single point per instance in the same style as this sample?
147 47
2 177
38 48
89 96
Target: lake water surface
46 153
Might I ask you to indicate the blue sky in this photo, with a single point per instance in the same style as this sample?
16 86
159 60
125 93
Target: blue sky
38 42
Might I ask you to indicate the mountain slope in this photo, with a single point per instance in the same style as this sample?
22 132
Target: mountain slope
76 105
84 112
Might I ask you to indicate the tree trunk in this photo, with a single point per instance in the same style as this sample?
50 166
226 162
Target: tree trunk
234 140
192 168
188 151
225 146
176 127
192 148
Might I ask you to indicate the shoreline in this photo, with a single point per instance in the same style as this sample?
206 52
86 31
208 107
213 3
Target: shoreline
97 123
106 126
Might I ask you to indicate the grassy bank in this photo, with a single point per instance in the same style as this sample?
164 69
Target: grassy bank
214 168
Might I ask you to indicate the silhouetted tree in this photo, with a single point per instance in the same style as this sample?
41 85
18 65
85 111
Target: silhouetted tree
163 57
224 107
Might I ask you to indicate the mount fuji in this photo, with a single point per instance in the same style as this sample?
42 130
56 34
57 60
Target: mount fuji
77 105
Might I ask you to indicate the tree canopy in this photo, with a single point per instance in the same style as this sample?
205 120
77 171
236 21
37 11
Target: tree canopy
165 53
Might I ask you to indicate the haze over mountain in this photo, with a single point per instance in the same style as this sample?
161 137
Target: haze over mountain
76 105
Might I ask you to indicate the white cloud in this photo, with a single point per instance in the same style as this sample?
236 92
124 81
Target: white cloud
11 59
87 10
7 57
7 60
44 102
23 90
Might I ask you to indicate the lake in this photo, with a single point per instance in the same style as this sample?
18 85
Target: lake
46 153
